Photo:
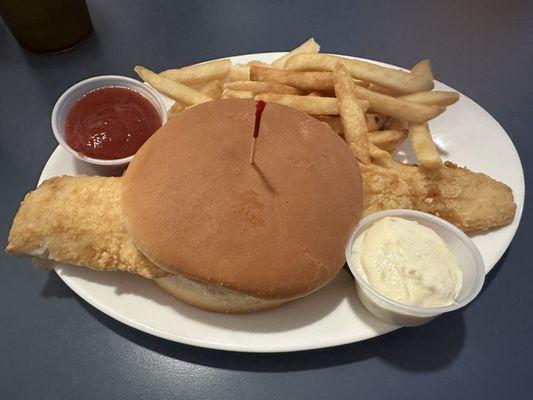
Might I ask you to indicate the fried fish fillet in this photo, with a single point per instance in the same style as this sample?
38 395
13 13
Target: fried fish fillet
469 200
77 220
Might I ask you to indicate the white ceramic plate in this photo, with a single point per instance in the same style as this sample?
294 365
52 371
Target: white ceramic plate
465 133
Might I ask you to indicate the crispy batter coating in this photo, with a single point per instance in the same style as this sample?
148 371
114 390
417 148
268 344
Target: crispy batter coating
77 220
471 201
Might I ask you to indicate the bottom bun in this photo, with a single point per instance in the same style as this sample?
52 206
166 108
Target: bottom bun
214 297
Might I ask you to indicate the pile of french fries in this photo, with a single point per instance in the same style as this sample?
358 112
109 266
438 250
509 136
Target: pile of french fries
373 108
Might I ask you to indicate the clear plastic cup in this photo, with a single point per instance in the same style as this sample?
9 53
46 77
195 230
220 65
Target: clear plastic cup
74 93
394 312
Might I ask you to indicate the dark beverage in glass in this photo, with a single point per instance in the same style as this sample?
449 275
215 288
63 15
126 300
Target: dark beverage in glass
47 25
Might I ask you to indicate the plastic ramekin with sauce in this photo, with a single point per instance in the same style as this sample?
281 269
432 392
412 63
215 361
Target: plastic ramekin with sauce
72 95
468 257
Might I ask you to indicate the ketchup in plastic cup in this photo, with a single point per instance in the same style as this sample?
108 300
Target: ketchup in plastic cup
125 128
110 123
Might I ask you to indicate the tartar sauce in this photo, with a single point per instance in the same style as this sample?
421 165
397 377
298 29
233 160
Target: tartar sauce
407 262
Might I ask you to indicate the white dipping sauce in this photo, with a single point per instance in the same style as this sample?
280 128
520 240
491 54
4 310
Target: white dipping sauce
407 262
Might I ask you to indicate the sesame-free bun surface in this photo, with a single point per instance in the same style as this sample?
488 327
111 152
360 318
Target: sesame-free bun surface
274 230
213 297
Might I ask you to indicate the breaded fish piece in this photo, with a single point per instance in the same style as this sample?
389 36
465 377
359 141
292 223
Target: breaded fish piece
471 201
77 220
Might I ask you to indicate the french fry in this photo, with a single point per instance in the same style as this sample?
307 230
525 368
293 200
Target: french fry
309 104
352 117
300 80
364 104
212 89
259 63
395 124
383 90
434 98
176 108
387 140
378 154
237 94
375 122
317 93
423 68
361 83
423 146
322 93
395 79
170 88
334 122
239 72
397 108
321 81
199 73
309 46
261 87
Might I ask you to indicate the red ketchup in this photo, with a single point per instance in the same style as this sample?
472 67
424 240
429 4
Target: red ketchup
110 123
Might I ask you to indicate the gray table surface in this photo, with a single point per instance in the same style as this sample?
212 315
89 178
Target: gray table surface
55 346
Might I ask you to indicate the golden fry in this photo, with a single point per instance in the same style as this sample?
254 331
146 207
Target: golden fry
361 83
423 146
175 110
239 72
352 117
387 140
395 124
309 104
378 154
364 104
317 93
383 90
398 108
259 63
423 68
434 98
309 46
395 79
199 73
300 80
261 87
170 88
237 94
319 82
322 93
375 122
212 89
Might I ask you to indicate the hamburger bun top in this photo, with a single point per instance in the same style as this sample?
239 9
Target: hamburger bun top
276 229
